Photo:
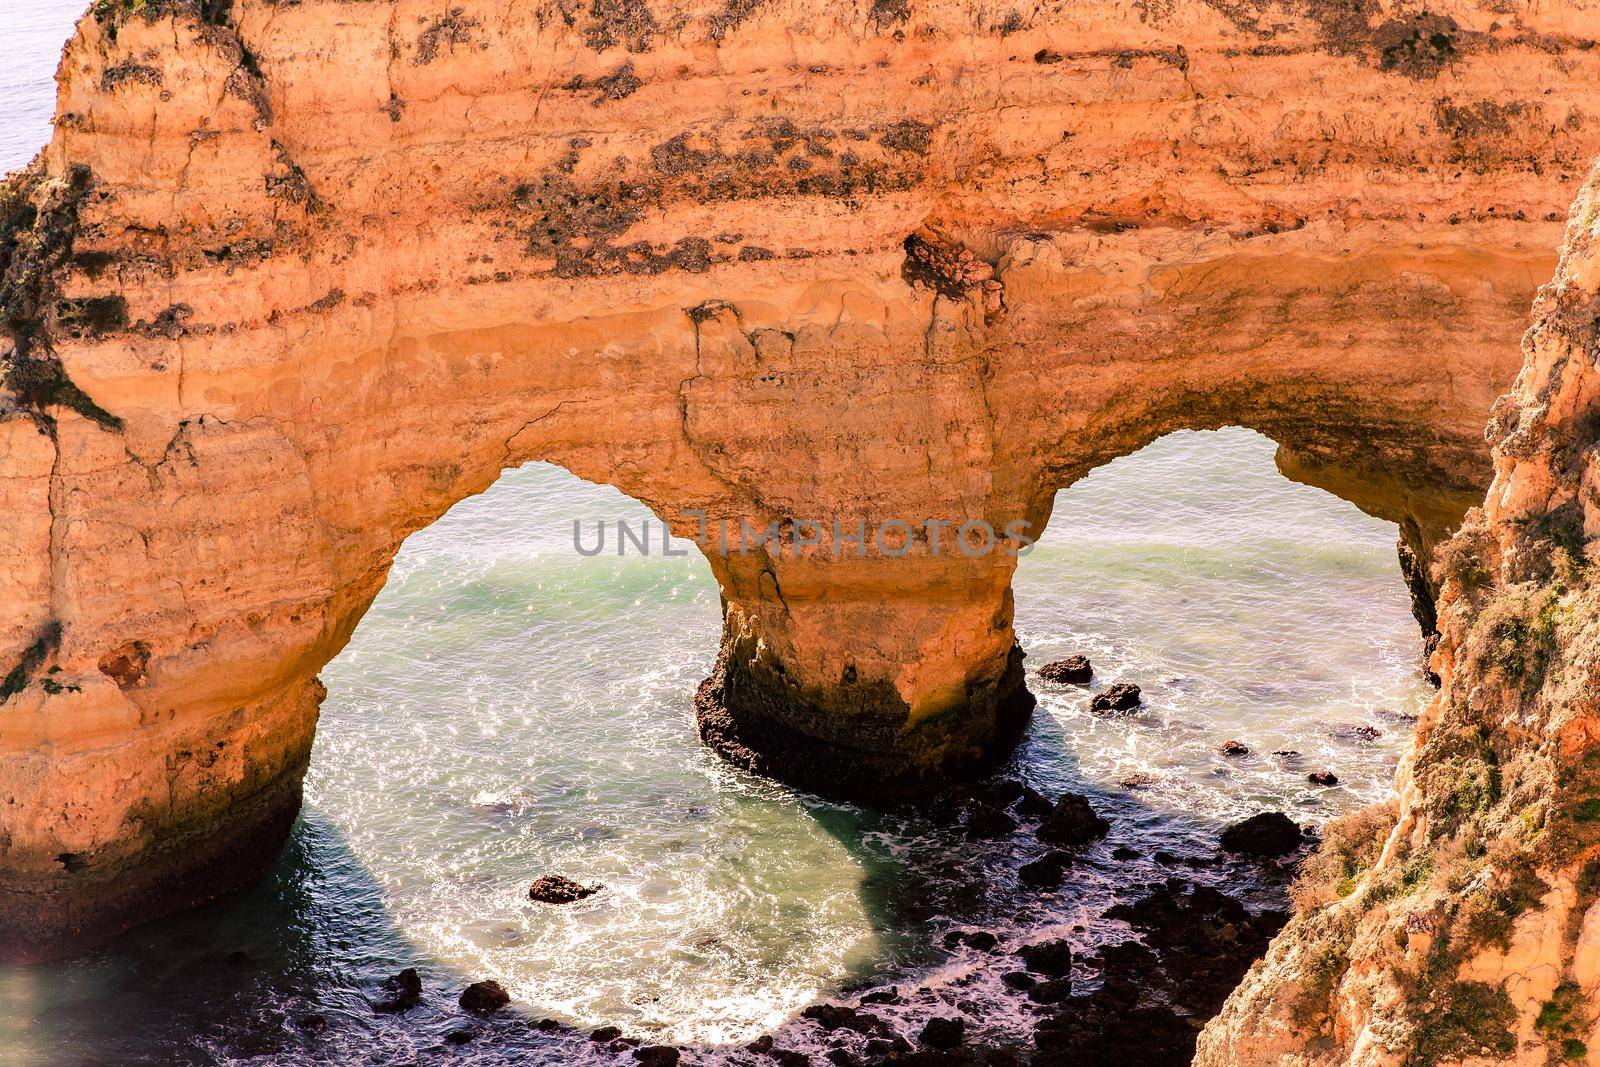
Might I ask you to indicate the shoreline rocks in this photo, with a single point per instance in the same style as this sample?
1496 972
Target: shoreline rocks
1072 822
407 989
484 997
557 889
1123 696
1075 670
1268 834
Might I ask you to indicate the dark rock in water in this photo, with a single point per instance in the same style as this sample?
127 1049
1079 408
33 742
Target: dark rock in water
1288 754
1167 859
1000 794
313 1023
761 1045
1234 748
1124 853
1073 669
943 1032
1072 822
1020 980
829 1016
657 1055
1270 833
1053 991
880 1048
1198 944
868 1025
985 821
407 989
1048 957
605 1034
484 997
549 1026
982 940
554 889
459 1036
1360 733
1046 872
882 996
784 1057
1124 696
1322 778
1155 1036
1033 805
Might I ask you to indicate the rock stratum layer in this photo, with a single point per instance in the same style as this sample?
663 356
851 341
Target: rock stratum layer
292 278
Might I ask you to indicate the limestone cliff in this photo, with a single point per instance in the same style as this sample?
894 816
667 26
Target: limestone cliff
1462 923
294 277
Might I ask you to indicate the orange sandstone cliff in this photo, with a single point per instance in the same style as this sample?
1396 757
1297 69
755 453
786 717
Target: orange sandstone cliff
1462 923
292 278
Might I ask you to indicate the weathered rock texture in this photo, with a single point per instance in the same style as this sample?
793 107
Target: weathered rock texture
1462 922
293 278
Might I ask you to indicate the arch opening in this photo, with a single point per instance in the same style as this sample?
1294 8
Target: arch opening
509 708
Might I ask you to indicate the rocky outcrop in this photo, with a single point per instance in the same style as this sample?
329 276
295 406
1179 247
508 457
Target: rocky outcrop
871 283
1462 923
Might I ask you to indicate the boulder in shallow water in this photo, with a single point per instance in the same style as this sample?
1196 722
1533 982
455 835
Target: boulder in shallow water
406 988
985 821
484 997
1073 669
556 889
1124 696
657 1055
1322 778
1072 822
1053 958
1271 833
605 1034
943 1032
1032 804
1234 748
1047 871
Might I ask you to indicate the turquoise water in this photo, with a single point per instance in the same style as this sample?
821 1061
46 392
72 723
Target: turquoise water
509 709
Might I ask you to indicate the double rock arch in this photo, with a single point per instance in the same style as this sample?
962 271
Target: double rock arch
291 281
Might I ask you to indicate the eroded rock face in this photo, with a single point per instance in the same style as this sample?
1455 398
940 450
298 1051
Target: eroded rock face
292 279
1462 923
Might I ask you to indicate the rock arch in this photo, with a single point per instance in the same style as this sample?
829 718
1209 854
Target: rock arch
291 280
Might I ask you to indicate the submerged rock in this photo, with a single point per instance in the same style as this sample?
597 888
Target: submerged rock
1124 696
1072 822
657 1055
605 1034
1271 833
1322 778
1234 748
484 997
407 992
1073 669
986 821
943 1032
556 889
1033 804
1047 871
1053 958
